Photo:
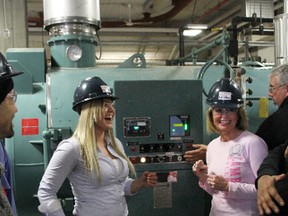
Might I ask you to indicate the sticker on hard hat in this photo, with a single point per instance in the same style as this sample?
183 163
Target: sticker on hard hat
224 95
105 89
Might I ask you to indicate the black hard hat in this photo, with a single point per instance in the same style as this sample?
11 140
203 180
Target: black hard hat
225 93
6 70
91 88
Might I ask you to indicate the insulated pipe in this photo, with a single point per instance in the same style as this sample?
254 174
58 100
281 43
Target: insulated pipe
65 12
73 25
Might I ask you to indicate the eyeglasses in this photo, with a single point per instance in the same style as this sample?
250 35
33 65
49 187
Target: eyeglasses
220 111
13 95
272 89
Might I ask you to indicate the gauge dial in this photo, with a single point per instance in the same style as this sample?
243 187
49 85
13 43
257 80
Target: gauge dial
74 52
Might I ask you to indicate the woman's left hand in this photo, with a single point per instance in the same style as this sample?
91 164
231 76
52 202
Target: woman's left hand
218 182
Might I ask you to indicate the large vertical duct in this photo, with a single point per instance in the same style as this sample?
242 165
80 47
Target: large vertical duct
73 25
281 34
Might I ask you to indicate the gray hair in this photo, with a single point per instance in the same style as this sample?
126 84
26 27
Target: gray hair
281 72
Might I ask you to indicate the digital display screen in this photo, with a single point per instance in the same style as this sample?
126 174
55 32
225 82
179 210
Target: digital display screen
179 125
136 127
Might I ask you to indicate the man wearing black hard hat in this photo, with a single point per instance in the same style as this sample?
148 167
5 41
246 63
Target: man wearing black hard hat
7 113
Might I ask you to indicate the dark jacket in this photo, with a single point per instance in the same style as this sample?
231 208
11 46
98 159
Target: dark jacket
274 130
275 164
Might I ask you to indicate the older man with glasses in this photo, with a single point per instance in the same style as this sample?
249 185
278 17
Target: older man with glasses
274 129
272 181
7 112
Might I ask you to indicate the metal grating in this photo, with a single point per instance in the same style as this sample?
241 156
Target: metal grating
262 8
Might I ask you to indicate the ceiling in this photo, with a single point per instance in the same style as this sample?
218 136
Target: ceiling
151 27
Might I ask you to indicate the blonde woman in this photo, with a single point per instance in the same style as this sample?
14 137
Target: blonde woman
92 159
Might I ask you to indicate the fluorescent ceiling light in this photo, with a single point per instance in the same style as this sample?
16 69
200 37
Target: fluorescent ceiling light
196 26
191 32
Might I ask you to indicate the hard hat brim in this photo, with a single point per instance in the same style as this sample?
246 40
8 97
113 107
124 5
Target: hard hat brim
8 76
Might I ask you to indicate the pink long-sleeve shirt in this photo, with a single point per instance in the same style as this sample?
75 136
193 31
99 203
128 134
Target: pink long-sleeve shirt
237 161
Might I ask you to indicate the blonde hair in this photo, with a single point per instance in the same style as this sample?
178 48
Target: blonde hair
242 121
90 114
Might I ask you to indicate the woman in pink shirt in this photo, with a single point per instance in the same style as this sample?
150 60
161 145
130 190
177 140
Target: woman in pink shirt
234 157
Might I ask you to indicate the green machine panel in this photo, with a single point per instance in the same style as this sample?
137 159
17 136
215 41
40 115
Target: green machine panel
157 121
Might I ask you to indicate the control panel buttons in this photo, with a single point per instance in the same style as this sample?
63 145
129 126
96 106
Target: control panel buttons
143 160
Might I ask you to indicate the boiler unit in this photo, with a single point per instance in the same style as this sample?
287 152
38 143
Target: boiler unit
160 113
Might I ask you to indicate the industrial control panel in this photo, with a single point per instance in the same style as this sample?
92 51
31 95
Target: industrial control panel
157 121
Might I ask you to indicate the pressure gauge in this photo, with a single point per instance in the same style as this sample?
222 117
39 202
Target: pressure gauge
74 52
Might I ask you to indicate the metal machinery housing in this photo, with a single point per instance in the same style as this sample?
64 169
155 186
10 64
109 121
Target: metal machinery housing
160 113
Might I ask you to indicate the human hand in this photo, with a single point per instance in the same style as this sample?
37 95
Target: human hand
200 170
149 179
267 192
198 153
217 182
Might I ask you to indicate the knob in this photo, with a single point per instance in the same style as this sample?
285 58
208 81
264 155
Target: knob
249 103
249 92
249 80
161 159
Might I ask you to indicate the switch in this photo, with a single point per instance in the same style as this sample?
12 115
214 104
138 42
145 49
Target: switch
133 160
133 148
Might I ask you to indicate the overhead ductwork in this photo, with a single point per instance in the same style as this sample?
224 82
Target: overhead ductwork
177 7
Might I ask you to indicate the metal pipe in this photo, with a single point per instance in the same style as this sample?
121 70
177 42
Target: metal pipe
233 47
223 39
181 43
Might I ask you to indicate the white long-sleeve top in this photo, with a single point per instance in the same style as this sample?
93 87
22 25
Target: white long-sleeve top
237 161
91 197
